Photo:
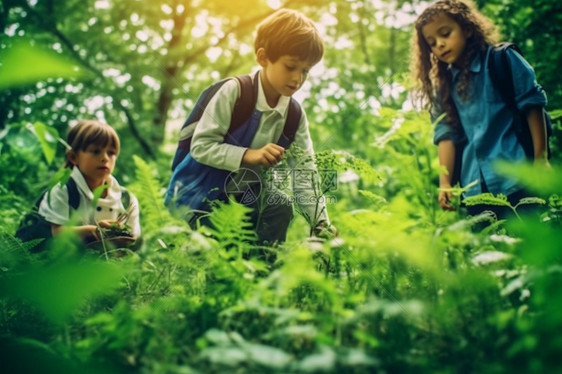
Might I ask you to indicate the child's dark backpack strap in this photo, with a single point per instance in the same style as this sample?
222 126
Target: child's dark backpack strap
246 102
73 196
291 124
501 74
125 198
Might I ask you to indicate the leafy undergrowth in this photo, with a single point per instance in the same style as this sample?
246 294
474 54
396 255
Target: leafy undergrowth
392 293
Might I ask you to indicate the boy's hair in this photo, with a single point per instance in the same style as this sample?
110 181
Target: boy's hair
91 132
288 32
433 75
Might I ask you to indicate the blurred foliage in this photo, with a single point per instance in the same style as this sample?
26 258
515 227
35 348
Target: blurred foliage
405 287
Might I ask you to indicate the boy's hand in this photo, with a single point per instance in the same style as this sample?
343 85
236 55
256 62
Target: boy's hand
106 223
268 155
324 230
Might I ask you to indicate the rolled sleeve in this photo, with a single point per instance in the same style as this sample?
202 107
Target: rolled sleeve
528 93
444 131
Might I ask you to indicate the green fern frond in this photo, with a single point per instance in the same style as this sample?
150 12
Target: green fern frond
14 251
377 200
531 200
231 225
488 199
147 190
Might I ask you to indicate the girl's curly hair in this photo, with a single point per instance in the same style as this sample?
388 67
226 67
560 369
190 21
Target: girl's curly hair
433 76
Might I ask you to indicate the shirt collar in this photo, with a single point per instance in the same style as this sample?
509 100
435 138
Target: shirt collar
78 177
262 104
474 67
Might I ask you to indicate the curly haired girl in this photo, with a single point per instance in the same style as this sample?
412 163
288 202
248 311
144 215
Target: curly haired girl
451 47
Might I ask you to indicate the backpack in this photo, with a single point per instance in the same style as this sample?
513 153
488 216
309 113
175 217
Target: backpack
501 76
33 225
195 184
243 109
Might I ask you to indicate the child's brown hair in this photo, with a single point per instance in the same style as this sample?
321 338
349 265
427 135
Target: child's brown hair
288 32
91 132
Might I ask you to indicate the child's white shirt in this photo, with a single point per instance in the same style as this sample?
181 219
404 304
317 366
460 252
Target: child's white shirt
55 209
208 146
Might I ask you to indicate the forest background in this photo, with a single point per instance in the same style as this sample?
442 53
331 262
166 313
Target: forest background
405 287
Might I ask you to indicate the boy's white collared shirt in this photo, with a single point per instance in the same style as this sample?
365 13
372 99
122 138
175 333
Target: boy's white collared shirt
54 206
208 145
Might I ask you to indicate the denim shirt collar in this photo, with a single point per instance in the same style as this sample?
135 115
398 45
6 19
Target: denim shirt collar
474 67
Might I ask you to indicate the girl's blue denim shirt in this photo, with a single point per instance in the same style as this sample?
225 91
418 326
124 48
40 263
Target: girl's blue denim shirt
488 122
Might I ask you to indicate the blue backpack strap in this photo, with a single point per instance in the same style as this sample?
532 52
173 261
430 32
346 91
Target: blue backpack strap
246 104
502 79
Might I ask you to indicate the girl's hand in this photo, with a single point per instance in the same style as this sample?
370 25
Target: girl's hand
541 161
445 199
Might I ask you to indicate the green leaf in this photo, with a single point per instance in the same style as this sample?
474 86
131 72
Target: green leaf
61 176
555 114
488 199
57 290
23 63
98 192
538 178
47 137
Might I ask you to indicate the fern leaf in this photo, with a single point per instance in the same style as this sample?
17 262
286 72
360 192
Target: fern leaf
531 200
14 250
231 225
488 199
147 190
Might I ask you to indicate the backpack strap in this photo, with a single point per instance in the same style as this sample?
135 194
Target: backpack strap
501 73
502 79
246 102
291 124
125 198
73 196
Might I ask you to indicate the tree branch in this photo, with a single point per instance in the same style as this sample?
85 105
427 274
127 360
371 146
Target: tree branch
52 28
